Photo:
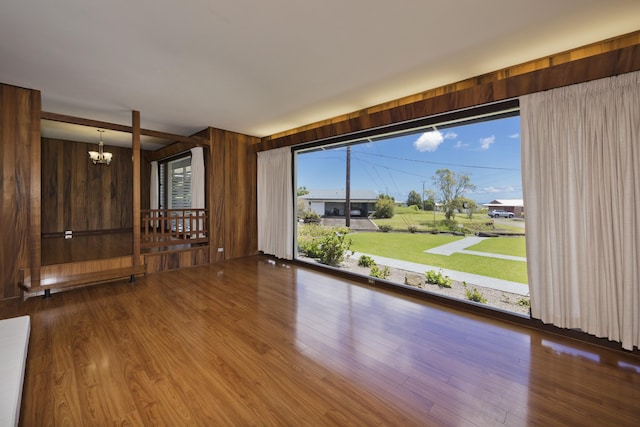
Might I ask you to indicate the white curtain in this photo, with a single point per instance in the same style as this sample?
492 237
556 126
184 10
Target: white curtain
154 190
275 203
197 185
581 182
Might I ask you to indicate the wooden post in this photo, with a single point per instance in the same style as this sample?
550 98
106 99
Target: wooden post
35 188
135 134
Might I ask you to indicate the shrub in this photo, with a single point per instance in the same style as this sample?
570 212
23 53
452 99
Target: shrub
524 302
385 228
308 239
412 228
385 206
327 244
332 248
475 296
437 278
310 216
379 273
449 224
366 261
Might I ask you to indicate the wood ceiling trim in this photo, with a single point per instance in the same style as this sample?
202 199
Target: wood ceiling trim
461 88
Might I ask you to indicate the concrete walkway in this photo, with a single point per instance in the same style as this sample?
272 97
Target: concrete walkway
459 246
471 279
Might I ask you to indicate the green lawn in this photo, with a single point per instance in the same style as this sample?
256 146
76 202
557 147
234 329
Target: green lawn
425 220
502 245
411 247
405 217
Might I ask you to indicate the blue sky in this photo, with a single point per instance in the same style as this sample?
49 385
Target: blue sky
488 151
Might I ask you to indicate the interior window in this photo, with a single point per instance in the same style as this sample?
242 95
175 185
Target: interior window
175 177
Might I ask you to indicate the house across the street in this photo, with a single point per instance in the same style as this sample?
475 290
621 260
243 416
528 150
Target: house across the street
510 205
328 203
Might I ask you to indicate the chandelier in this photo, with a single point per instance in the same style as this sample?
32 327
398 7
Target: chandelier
100 156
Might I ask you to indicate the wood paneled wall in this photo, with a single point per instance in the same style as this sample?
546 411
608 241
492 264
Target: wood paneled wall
19 184
604 59
233 194
173 260
80 196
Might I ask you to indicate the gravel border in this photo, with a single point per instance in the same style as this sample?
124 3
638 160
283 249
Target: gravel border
495 298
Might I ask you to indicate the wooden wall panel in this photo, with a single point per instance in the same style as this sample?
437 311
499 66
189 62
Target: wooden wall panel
216 192
80 196
603 59
165 261
233 194
19 154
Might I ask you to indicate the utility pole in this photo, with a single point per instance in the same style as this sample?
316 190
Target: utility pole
347 195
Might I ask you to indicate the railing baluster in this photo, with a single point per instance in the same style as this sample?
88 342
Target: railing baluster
170 227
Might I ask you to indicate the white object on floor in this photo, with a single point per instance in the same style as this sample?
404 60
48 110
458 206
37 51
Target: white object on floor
14 342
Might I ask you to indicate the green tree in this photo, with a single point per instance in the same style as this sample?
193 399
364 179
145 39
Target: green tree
414 199
385 206
429 200
451 186
302 191
467 205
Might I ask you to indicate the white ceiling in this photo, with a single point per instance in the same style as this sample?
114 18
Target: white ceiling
260 67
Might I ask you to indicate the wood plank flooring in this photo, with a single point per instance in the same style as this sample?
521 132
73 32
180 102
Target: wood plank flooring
251 342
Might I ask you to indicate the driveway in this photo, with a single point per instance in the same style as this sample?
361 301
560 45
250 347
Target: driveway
357 224
510 222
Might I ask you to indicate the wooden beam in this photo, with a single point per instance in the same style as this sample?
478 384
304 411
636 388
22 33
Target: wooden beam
170 151
135 142
84 122
192 140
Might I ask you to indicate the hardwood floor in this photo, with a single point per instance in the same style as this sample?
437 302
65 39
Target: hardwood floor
250 342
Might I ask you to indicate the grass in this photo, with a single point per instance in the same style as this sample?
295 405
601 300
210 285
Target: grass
411 247
510 229
427 221
503 245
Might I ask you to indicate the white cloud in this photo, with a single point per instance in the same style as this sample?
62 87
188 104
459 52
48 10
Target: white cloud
514 135
491 190
485 143
429 141
450 135
459 145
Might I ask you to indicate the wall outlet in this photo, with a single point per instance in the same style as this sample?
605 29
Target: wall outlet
371 281
220 249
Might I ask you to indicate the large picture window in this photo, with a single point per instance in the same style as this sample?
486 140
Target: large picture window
436 207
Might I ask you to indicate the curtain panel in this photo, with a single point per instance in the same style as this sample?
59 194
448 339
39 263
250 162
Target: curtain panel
581 185
275 203
197 185
154 191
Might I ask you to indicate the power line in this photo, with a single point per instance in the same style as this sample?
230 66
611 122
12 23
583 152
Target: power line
437 163
389 168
